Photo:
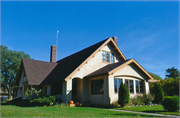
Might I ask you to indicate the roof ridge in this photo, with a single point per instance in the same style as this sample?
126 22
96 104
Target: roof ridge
82 50
37 60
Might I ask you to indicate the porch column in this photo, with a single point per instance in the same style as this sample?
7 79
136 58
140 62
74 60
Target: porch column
68 90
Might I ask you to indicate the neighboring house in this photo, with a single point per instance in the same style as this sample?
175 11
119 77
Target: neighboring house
92 75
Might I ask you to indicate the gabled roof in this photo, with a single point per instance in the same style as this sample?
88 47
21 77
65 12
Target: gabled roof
111 68
39 72
36 71
106 69
67 65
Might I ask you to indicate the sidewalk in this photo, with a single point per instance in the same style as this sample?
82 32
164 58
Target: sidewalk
145 113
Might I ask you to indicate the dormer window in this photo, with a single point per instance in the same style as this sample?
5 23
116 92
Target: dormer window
107 57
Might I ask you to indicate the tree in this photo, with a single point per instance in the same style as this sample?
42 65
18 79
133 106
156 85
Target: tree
10 62
158 93
123 95
156 77
172 72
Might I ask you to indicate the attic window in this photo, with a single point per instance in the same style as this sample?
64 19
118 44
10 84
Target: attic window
107 57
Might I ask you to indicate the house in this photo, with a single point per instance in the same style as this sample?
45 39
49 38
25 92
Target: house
92 75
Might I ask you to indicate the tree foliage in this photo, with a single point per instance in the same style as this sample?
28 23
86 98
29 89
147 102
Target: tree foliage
10 62
123 95
172 73
156 77
158 93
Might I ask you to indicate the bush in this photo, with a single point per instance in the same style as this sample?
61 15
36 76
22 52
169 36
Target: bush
147 98
144 99
123 95
43 101
137 100
158 93
171 103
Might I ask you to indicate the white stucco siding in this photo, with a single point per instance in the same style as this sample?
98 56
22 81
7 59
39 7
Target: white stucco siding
68 90
129 72
95 62
21 85
102 98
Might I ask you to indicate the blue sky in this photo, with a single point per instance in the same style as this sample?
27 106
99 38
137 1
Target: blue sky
147 31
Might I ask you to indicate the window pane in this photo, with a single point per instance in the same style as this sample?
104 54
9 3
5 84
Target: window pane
92 87
131 86
115 85
126 82
97 86
103 56
112 58
141 86
101 85
107 56
119 83
137 87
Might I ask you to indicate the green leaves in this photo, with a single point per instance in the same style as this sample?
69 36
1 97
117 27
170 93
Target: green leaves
172 72
156 77
124 96
10 62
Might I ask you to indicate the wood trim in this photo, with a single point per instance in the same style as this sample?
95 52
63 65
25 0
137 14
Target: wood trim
128 62
128 76
105 43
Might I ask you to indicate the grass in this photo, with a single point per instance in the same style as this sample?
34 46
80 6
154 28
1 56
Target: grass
16 111
151 109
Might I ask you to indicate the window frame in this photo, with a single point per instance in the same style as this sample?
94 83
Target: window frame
128 85
104 54
95 83
117 84
139 89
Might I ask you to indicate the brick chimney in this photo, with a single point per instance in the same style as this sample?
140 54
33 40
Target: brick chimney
115 40
53 53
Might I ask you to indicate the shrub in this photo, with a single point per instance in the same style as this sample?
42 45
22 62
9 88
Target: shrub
123 95
43 101
147 98
158 93
171 103
137 100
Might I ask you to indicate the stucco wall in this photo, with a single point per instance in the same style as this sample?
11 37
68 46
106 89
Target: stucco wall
23 79
96 62
128 71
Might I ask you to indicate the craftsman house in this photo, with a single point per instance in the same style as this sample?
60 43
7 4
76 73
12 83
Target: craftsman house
92 75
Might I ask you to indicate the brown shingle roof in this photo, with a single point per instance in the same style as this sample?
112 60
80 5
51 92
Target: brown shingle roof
37 71
67 65
106 69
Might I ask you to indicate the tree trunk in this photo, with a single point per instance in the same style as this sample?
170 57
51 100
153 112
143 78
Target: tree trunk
9 93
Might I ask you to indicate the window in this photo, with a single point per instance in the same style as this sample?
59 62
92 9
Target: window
97 86
117 84
129 84
45 91
112 58
139 87
107 57
20 90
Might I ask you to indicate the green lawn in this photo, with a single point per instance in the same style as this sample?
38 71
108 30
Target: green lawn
15 111
151 109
